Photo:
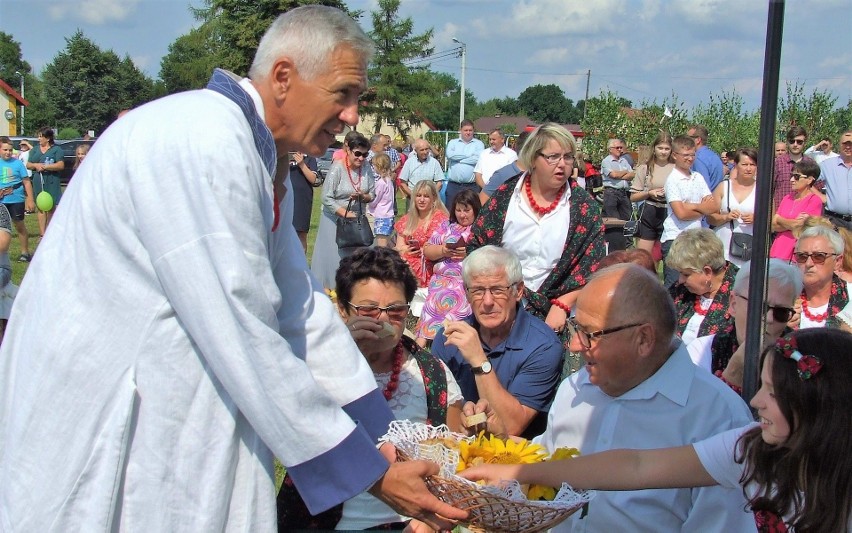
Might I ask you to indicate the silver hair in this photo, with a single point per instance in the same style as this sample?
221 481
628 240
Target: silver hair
833 238
492 260
612 141
785 276
309 35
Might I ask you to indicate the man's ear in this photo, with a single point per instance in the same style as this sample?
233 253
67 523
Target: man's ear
521 289
646 340
282 76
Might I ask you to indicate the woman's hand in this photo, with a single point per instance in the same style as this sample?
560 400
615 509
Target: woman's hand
657 195
556 318
369 334
747 218
734 215
794 321
491 474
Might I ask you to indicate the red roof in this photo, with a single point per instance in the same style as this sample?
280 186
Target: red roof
21 100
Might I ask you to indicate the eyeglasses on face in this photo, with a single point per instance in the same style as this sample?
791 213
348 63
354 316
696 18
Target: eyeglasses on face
478 293
796 176
817 257
690 155
396 312
779 313
797 141
553 159
358 153
587 337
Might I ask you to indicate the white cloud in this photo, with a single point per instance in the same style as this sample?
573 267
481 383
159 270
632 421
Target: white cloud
95 12
558 17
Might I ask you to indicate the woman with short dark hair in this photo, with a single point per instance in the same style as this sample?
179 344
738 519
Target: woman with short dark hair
46 160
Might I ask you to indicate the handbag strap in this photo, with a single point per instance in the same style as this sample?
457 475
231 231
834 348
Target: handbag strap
731 222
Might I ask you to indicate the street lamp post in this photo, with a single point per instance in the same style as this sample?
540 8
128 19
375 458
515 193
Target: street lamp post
463 58
18 74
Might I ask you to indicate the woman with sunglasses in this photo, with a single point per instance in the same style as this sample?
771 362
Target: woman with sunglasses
349 180
550 223
723 353
795 208
824 294
374 290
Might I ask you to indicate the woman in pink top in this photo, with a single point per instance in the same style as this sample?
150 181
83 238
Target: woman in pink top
795 208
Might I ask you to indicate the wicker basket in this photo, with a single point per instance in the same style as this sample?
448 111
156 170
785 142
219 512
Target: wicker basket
491 508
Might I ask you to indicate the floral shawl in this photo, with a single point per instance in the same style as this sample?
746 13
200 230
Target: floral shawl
583 248
421 266
837 300
718 318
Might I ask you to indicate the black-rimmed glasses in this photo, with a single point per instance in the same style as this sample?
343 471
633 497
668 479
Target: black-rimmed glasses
586 337
779 313
395 312
356 153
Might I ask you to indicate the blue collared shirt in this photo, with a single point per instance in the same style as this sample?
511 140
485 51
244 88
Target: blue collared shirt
462 158
528 364
838 185
709 164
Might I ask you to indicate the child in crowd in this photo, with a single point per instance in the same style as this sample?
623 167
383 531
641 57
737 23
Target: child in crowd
794 465
688 198
381 208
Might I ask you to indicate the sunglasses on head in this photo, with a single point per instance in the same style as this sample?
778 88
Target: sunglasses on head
779 313
817 257
358 153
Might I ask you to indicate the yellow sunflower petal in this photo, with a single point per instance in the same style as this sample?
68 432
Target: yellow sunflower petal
564 453
540 492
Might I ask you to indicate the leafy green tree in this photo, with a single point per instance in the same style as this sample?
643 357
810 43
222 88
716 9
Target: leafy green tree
236 26
545 103
397 89
190 60
843 118
729 125
85 87
605 119
815 112
11 60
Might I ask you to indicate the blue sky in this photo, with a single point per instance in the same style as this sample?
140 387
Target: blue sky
641 49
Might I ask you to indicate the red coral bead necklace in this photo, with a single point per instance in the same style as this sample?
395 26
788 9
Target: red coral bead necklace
541 211
813 317
393 384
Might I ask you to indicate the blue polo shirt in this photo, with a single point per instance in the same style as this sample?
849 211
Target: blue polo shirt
709 165
528 364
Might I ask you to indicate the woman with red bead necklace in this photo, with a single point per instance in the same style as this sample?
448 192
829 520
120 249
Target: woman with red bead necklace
705 284
348 179
553 226
817 252
374 289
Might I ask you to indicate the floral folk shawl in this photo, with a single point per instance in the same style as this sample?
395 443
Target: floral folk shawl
718 318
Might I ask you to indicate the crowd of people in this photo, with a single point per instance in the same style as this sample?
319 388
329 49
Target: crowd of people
486 286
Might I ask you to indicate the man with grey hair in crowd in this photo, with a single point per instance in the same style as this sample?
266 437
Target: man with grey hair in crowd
159 404
502 353
419 168
617 175
493 158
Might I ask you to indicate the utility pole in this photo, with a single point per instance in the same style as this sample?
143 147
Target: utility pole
463 58
586 101
18 74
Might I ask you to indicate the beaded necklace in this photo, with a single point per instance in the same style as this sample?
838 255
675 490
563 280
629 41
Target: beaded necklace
697 306
393 384
541 211
812 316
356 186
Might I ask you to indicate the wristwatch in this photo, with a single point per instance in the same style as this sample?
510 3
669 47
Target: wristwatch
484 369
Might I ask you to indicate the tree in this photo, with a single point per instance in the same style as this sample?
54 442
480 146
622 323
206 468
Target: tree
815 113
190 60
85 88
728 125
396 89
843 118
605 119
544 103
236 26
11 60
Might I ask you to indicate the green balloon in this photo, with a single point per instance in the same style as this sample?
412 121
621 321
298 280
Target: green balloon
44 201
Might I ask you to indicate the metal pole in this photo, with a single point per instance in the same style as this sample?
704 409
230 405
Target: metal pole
586 101
18 74
463 58
763 207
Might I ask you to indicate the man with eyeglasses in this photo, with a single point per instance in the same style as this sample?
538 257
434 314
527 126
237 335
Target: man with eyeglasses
639 389
796 139
617 175
723 353
836 173
707 162
502 353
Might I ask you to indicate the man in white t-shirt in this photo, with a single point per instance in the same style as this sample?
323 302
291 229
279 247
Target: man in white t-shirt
491 159
688 198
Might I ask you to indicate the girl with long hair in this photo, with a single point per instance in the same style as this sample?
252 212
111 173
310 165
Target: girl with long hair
793 465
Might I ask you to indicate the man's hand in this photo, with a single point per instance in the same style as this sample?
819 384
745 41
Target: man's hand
462 335
402 487
493 422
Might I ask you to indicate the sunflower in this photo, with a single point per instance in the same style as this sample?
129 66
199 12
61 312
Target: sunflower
474 453
495 450
540 492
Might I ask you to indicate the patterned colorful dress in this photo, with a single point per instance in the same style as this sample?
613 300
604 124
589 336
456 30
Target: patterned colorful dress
718 318
421 267
446 298
583 248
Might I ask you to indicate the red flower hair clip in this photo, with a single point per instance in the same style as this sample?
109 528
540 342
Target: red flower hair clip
806 365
